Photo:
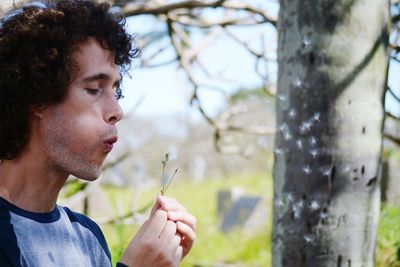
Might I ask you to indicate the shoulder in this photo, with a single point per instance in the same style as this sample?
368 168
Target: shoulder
9 250
89 224
82 220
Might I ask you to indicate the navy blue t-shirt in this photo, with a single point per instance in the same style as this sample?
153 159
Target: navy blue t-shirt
57 238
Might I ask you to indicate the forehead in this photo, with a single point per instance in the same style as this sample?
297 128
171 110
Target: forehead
92 58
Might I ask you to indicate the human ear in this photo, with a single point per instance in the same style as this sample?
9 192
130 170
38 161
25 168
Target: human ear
37 110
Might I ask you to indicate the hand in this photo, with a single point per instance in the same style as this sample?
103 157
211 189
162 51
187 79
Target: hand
185 222
157 243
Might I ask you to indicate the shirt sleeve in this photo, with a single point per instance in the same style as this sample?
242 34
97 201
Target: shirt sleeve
5 260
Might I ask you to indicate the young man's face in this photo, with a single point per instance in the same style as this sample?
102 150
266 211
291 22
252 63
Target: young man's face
78 133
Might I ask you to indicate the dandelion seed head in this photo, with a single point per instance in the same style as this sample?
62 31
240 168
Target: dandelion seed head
299 144
326 171
287 136
283 127
278 151
314 205
282 97
297 83
313 141
305 126
309 238
297 211
346 169
323 215
316 117
292 113
306 41
307 169
314 152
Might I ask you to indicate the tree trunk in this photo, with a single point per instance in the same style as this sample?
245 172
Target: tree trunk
333 61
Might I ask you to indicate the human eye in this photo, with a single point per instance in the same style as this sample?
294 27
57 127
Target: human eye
93 91
118 93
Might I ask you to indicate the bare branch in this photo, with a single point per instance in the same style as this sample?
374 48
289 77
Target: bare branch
132 9
391 137
393 94
392 116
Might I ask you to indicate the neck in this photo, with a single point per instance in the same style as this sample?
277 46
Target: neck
29 183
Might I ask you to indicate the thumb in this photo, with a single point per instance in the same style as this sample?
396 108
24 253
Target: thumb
156 206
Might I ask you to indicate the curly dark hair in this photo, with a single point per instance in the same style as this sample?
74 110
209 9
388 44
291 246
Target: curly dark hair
36 66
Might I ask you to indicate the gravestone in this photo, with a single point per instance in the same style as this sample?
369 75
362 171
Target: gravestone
240 212
225 199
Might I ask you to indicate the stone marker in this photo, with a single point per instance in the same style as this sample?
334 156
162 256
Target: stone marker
225 198
239 213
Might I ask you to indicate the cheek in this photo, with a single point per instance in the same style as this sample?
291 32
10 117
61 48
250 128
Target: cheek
73 134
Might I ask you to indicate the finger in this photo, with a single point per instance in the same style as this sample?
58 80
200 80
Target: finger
189 236
156 222
156 206
168 232
184 217
175 242
170 204
179 253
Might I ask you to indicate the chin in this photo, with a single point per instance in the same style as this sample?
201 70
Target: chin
88 176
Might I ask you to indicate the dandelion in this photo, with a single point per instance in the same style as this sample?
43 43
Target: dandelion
281 97
306 41
279 202
278 151
314 152
283 127
297 83
326 171
299 144
290 197
287 136
307 169
323 215
309 238
297 209
316 117
314 205
346 169
313 141
305 127
292 113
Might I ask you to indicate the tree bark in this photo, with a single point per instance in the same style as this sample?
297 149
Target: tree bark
333 59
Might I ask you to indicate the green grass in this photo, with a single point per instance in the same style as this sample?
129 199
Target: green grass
388 244
239 246
248 247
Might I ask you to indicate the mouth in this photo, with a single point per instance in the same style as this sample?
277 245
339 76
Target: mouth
109 143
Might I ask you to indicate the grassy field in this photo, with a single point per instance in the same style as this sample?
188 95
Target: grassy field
248 247
388 245
239 246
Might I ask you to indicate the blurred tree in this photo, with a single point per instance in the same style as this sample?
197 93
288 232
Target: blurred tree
333 60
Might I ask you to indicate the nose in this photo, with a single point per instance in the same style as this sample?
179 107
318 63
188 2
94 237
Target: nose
114 112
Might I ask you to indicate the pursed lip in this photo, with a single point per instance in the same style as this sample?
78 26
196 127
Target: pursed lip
109 143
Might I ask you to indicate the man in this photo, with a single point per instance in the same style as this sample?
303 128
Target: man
60 70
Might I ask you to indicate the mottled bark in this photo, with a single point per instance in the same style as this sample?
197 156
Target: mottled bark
332 74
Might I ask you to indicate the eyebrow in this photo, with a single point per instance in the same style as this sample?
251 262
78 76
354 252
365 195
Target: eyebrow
103 77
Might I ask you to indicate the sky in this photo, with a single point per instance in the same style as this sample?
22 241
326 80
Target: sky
165 91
